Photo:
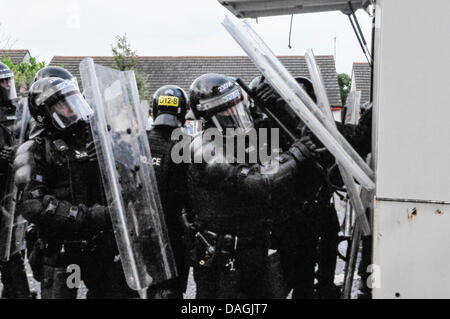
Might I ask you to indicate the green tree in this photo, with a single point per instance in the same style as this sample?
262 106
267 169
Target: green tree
345 83
24 72
125 58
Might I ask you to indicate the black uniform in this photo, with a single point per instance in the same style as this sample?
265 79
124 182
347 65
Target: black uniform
322 204
13 272
5 141
315 207
62 197
359 136
61 192
172 187
232 203
304 221
297 229
14 278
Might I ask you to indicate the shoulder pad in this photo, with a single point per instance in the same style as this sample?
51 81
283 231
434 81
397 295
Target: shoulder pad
23 175
26 147
22 159
24 162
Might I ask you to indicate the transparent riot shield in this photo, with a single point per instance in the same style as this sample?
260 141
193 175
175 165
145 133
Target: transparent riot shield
283 82
353 108
324 105
12 224
129 180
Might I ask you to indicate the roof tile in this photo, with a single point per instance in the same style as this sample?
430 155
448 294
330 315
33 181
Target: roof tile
362 76
16 56
183 70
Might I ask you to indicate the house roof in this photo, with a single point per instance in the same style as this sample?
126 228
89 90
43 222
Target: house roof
183 70
265 8
16 56
362 78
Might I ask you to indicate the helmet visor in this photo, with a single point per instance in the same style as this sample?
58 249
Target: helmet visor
229 111
8 88
69 110
74 80
234 117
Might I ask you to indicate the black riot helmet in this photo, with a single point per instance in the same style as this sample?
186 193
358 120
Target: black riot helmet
307 85
57 104
169 106
55 72
285 115
7 87
220 101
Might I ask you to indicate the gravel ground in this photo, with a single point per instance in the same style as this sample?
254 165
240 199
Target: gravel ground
190 293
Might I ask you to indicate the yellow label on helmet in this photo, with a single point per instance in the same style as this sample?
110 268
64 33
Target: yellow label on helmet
169 101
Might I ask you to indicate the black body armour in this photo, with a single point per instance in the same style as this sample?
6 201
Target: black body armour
63 171
236 198
5 140
172 187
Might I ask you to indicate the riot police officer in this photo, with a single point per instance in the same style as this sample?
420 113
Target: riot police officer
7 114
34 130
15 283
55 72
298 248
169 109
231 199
62 193
296 243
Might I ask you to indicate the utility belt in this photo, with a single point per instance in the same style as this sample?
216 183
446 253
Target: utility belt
317 204
215 249
220 250
55 254
311 204
245 228
60 254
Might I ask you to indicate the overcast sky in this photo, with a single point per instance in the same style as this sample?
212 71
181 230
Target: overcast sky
169 27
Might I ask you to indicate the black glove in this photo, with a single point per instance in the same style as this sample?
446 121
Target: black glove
303 149
7 153
31 210
60 216
265 94
99 219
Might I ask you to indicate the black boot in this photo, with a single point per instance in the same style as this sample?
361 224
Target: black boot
327 256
